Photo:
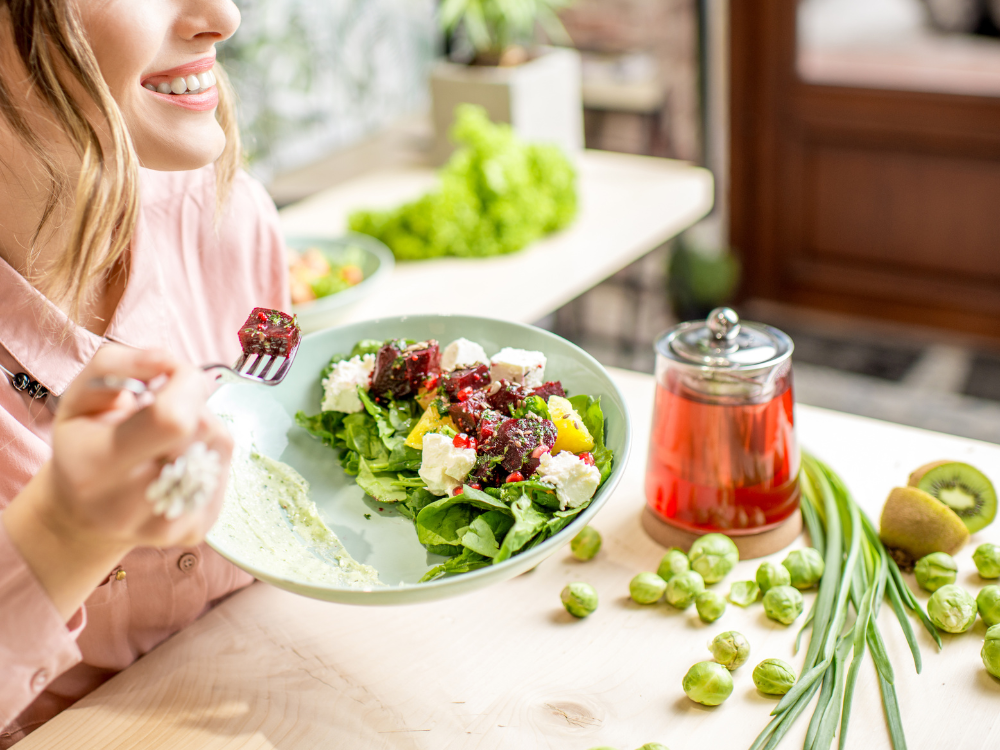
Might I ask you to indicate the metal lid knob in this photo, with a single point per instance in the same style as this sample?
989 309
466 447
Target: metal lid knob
724 324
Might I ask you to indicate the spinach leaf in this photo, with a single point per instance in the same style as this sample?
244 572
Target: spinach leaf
527 522
416 500
383 487
444 521
323 425
535 405
463 563
540 493
484 530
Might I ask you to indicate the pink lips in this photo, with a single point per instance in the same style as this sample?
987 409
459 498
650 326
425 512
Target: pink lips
200 102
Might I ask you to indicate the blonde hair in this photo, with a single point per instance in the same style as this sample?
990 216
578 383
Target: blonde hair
49 39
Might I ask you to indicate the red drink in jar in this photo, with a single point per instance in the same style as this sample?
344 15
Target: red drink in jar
723 454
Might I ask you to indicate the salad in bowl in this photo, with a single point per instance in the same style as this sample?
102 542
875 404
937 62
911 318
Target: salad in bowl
481 452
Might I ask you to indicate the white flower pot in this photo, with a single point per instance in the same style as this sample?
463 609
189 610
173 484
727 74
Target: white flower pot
540 98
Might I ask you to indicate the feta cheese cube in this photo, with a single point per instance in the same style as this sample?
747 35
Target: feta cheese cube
518 366
443 466
575 481
462 353
340 387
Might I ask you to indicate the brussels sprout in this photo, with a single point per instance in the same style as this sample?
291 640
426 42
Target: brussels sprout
586 544
654 746
683 588
774 677
674 562
783 604
987 560
708 683
647 588
713 556
935 570
710 605
730 649
744 593
991 651
988 604
952 609
771 574
579 599
804 566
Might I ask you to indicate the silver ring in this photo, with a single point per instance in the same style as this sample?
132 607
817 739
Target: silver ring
186 484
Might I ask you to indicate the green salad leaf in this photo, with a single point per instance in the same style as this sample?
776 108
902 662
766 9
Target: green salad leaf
496 195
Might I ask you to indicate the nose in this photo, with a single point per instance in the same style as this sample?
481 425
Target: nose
213 20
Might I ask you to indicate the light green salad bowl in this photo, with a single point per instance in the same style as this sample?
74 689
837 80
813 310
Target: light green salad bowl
386 540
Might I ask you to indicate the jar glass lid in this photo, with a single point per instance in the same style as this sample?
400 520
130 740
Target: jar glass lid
723 341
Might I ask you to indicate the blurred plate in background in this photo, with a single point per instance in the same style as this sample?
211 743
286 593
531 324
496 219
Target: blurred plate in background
373 258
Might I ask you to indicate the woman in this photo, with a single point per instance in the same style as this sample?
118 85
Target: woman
130 246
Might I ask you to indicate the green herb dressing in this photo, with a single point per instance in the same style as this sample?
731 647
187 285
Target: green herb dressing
269 522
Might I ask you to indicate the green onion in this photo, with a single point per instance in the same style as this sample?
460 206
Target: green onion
860 574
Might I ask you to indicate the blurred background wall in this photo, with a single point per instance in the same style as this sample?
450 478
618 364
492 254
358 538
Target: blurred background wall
316 76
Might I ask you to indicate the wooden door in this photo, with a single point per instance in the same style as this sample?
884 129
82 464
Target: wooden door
856 199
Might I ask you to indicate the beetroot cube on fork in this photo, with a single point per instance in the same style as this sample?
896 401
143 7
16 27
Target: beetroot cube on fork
269 332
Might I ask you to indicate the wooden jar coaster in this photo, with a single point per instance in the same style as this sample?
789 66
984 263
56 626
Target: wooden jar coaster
749 545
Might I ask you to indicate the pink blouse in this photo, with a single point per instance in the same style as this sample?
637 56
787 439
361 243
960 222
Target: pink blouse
192 282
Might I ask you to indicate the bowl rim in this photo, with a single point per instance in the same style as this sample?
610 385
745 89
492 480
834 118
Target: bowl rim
346 297
424 591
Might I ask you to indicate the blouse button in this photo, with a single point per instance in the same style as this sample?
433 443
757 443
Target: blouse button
40 680
188 562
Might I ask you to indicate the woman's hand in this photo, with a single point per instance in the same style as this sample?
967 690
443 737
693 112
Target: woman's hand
87 507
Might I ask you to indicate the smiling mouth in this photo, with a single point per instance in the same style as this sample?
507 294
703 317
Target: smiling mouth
195 83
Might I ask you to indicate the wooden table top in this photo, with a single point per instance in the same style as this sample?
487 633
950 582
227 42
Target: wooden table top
628 206
506 667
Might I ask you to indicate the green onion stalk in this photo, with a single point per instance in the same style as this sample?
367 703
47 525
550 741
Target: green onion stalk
860 574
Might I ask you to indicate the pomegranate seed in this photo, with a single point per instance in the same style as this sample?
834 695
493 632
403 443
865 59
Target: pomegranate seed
587 458
515 477
476 486
457 491
431 383
461 440
463 395
539 451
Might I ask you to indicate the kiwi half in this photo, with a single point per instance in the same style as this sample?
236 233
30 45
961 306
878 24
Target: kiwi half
917 524
961 487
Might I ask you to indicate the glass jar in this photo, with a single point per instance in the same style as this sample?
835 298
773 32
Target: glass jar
723 454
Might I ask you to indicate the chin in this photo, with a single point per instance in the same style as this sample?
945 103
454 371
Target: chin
192 146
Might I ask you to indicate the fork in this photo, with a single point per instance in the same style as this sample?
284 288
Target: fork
245 368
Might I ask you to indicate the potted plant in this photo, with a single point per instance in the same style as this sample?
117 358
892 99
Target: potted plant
534 88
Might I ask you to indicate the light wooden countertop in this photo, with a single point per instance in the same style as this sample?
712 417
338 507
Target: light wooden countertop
628 206
506 667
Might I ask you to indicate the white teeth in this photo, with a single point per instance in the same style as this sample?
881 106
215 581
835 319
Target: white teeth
178 86
211 74
193 84
149 86
163 88
205 79
185 84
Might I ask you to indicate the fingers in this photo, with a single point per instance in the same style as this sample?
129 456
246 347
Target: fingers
167 426
82 399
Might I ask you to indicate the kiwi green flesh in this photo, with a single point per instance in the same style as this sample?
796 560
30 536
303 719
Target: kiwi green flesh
965 490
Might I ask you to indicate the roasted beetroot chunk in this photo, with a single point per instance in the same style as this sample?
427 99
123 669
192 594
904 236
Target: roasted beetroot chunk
551 388
517 439
465 414
270 332
472 378
507 396
401 369
487 426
